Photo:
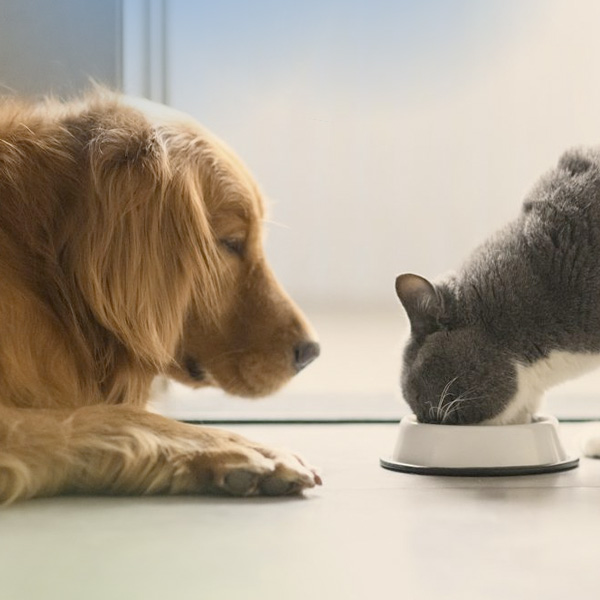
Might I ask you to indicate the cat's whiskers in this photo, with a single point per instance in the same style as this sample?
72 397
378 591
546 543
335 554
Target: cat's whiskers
439 409
452 407
456 404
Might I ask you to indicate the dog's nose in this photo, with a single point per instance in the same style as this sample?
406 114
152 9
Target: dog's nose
305 353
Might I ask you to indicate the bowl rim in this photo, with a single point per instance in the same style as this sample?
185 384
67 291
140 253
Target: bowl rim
536 419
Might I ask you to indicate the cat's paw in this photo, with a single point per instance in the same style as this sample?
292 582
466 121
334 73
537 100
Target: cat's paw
591 446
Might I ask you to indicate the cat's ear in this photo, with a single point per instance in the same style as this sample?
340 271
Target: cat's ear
575 162
422 302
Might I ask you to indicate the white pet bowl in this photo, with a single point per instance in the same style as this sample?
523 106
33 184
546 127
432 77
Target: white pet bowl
479 450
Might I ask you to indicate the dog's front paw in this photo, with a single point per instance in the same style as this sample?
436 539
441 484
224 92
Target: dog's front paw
291 475
239 467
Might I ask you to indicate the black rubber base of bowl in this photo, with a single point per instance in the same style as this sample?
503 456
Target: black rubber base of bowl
565 465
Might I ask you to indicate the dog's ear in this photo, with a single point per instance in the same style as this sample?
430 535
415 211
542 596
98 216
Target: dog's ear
145 243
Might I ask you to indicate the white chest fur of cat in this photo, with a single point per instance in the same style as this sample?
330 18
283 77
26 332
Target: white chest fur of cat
535 379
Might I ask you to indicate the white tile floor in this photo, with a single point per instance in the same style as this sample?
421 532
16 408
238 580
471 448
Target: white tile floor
367 533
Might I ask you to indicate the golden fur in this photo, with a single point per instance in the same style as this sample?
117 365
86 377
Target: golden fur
130 246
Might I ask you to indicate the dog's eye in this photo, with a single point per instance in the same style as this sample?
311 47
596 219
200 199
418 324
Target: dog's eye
234 246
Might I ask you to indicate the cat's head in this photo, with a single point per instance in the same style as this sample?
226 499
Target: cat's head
454 372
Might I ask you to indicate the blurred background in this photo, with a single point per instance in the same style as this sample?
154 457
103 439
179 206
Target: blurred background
388 136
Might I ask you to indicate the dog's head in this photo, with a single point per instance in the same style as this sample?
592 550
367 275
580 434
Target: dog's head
174 262
257 338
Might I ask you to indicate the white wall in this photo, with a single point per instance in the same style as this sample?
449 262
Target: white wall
56 46
390 136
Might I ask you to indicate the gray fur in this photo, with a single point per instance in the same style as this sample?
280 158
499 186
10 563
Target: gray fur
534 287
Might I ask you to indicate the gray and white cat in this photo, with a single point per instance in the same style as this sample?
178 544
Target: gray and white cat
522 314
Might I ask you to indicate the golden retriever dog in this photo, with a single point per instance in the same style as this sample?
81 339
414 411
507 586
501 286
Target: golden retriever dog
130 247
